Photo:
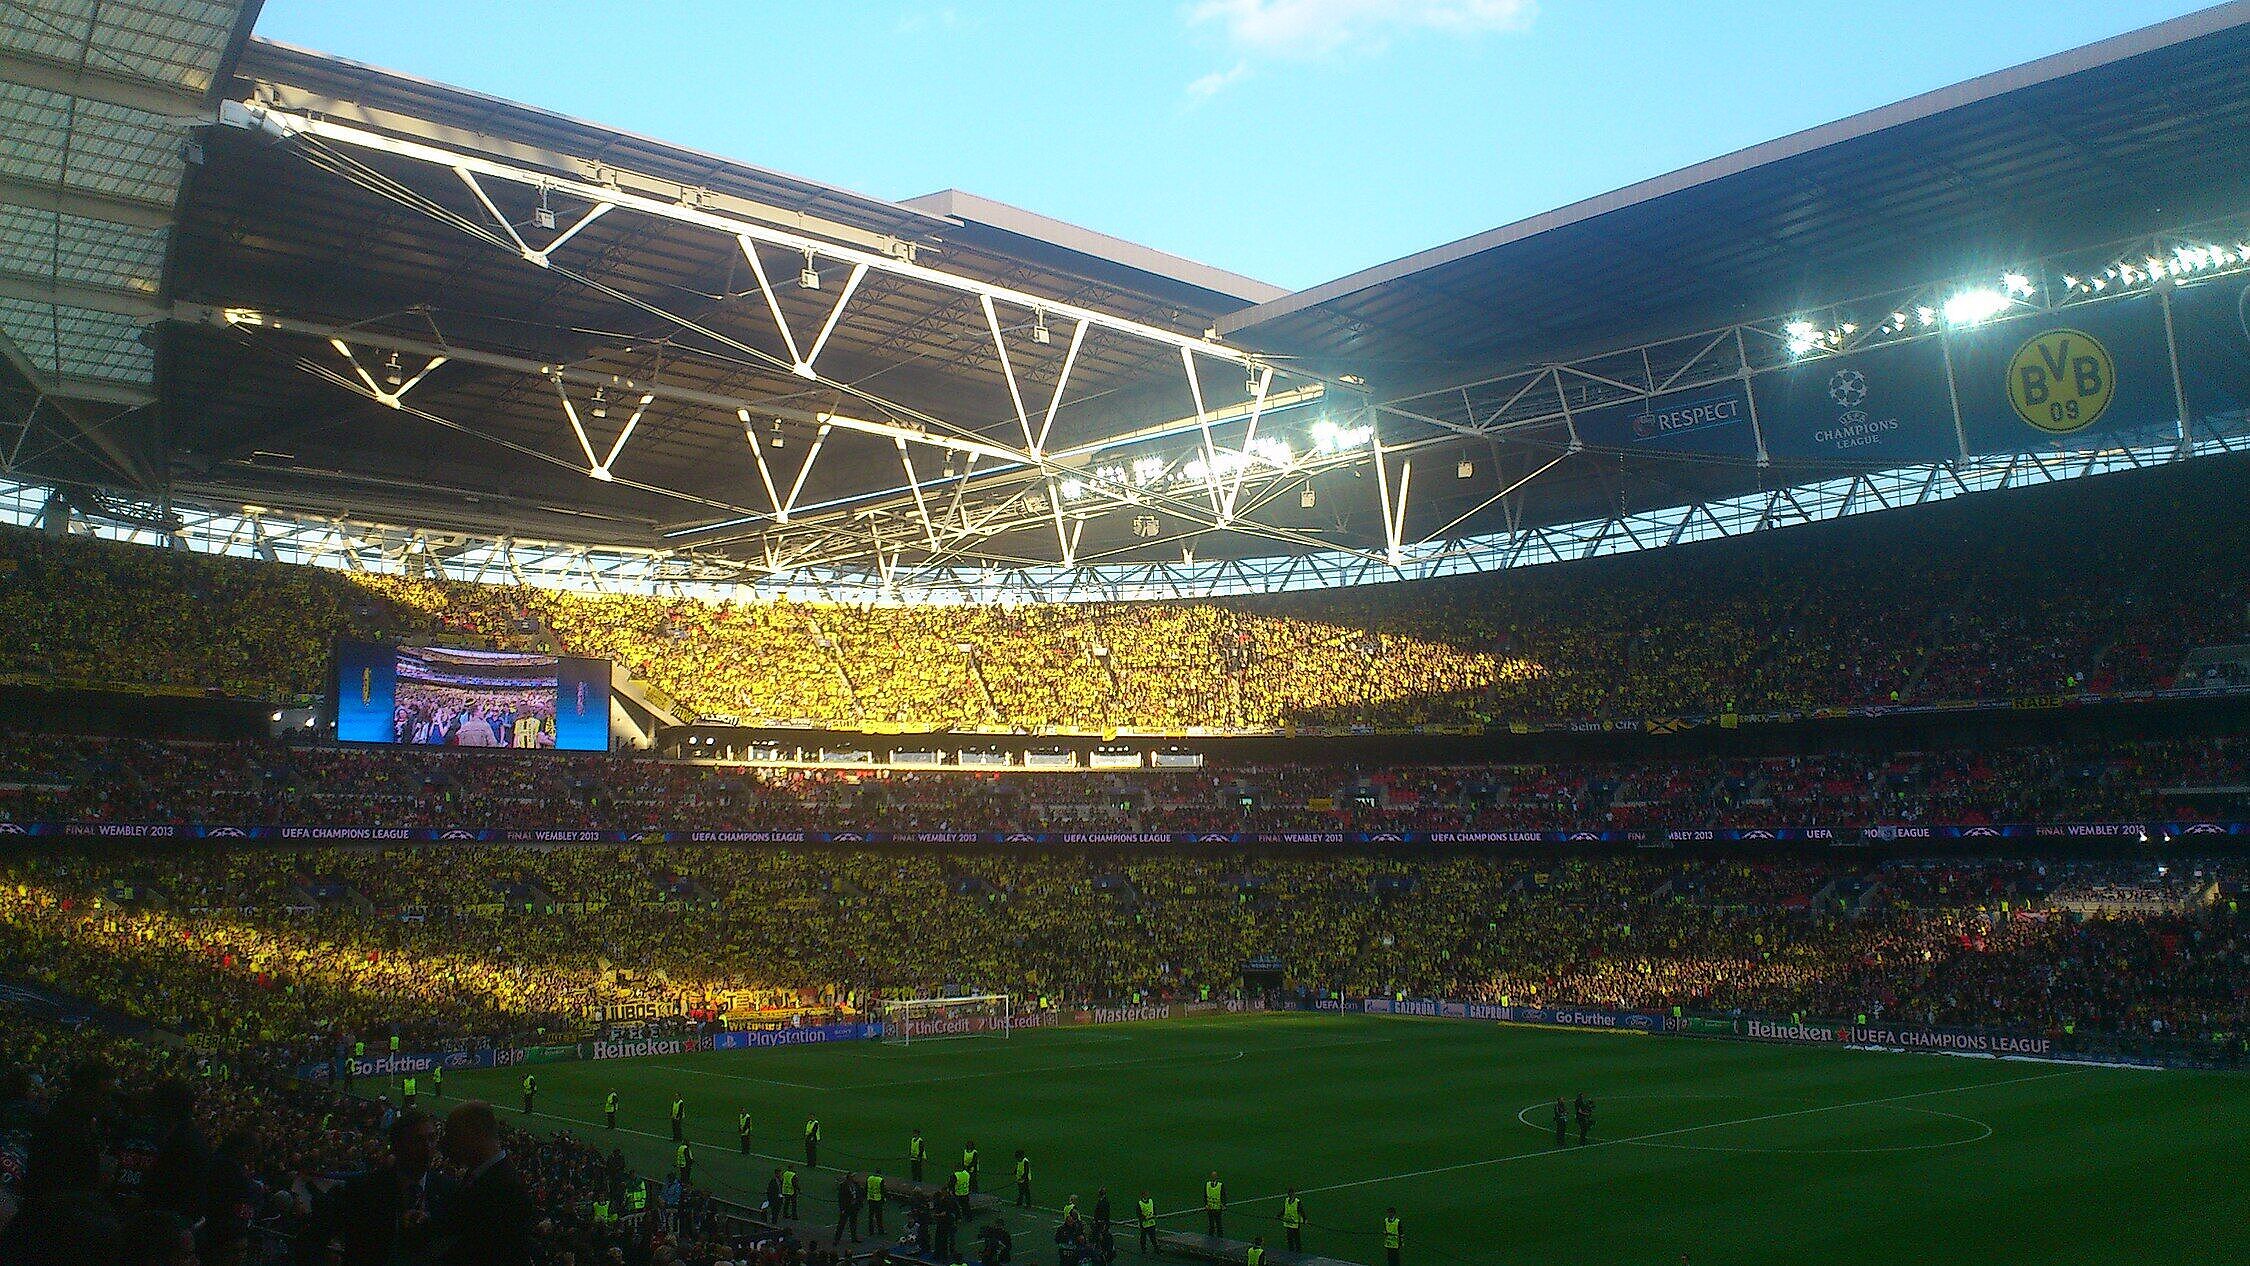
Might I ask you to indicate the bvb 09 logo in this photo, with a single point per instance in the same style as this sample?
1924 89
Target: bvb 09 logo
2061 381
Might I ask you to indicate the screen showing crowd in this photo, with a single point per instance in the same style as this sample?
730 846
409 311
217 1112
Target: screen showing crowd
457 697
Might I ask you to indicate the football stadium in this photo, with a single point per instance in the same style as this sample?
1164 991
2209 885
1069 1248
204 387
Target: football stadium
570 700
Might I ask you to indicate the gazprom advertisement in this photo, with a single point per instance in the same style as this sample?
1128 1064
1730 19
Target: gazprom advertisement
1886 406
1709 421
2092 376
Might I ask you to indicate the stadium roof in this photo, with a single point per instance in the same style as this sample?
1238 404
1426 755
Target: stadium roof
398 302
96 98
2108 141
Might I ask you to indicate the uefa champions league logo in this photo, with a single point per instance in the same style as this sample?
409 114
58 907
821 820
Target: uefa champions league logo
1848 388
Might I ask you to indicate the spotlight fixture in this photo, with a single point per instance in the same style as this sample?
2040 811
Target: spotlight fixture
392 374
1465 469
601 406
777 440
809 277
1306 499
544 214
1039 332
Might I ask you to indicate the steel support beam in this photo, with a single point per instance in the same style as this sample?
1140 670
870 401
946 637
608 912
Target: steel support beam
58 199
107 86
298 101
64 393
113 300
281 123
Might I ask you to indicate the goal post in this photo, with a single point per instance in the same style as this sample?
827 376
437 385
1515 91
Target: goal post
909 1020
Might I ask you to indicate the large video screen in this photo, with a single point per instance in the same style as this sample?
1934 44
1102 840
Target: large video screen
443 696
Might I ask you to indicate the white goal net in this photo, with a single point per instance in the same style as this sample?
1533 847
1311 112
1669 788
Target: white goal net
908 1020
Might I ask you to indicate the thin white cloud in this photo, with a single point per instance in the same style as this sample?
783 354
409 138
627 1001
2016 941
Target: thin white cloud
1310 28
1217 81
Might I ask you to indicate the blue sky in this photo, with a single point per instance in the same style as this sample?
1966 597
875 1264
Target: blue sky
1292 140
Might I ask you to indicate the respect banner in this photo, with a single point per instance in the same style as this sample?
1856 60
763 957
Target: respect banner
1711 420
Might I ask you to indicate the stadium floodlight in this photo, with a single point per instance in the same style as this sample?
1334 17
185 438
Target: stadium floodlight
1972 306
809 276
778 441
1327 437
1073 489
601 407
1039 332
2017 285
544 213
1466 469
392 374
1307 499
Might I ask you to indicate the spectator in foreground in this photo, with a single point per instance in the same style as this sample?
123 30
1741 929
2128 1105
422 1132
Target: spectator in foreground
488 1221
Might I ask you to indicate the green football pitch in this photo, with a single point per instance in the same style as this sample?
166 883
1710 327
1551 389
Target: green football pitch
1726 1152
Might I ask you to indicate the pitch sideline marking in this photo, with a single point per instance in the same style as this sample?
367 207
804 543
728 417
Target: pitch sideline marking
1212 1056
1641 1141
1637 1138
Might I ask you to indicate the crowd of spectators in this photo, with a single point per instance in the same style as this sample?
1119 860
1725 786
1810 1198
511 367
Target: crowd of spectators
298 954
2100 587
56 779
122 1151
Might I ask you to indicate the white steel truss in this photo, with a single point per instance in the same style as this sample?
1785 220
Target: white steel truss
349 544
1008 467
